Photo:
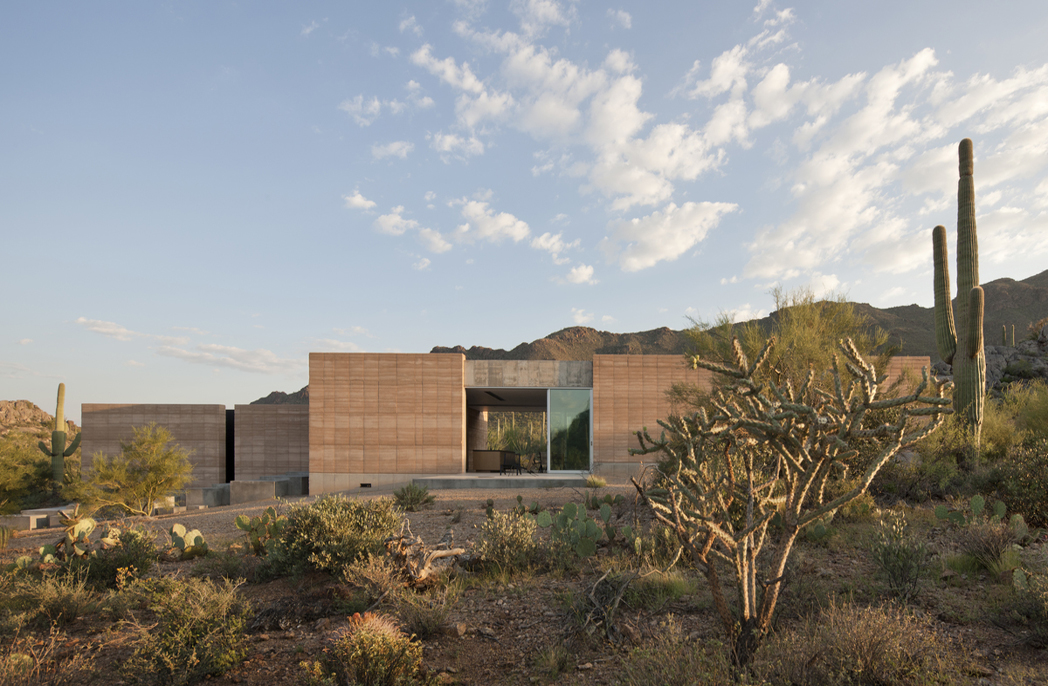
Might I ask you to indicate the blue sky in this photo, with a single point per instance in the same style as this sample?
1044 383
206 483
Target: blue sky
195 195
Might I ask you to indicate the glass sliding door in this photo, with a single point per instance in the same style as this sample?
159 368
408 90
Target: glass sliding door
569 430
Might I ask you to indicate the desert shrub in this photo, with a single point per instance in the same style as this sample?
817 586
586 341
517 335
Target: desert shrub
594 481
373 651
990 545
199 632
1028 403
374 575
224 564
425 613
654 591
846 644
507 541
552 660
1001 430
673 660
133 557
55 599
1023 487
334 531
1030 604
412 497
30 660
1034 329
900 555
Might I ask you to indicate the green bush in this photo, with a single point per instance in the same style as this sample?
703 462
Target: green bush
373 651
507 541
333 532
412 497
1028 403
54 599
136 554
1023 486
425 613
199 632
901 556
147 469
859 646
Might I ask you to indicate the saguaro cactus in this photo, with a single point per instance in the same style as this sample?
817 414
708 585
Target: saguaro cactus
58 450
965 351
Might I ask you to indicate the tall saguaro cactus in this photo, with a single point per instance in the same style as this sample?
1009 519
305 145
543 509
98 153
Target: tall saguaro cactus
962 346
58 451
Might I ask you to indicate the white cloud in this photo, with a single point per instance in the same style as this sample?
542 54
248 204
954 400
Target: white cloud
483 223
536 16
554 244
416 97
306 30
363 111
339 346
433 241
410 24
581 317
25 341
447 70
664 234
134 363
395 149
259 361
621 17
421 264
746 312
358 201
354 331
582 273
453 145
608 319
430 196
823 285
393 223
121 333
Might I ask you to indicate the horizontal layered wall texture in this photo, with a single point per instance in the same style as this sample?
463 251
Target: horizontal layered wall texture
200 429
271 440
529 373
629 393
382 418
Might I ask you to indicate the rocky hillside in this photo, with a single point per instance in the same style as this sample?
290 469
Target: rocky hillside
1008 303
300 397
581 343
24 416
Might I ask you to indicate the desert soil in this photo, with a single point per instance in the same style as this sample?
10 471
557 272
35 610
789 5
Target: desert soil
498 629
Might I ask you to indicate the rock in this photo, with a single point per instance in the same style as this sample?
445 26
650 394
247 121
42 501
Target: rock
486 631
457 630
585 666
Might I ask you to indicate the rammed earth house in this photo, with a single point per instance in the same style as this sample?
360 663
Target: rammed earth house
382 418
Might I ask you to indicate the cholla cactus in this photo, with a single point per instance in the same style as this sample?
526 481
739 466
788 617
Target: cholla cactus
965 351
756 466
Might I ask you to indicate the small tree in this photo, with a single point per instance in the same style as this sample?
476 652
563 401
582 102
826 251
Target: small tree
756 467
146 469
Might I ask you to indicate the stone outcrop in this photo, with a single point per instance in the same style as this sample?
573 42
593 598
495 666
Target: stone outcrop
22 415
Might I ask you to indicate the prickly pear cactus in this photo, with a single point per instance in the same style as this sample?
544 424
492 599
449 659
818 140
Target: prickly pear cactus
264 531
962 345
189 543
58 451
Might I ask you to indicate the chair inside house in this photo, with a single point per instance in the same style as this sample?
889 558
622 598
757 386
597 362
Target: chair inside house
510 461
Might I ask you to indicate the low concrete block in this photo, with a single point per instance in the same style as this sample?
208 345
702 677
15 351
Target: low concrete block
281 485
164 505
251 491
217 496
24 522
298 484
195 498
